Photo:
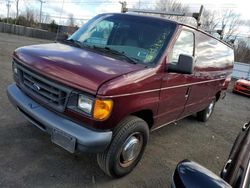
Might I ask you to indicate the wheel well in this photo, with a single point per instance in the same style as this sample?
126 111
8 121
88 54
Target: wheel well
146 115
218 95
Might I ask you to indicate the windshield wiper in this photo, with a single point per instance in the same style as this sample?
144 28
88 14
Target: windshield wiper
78 44
116 52
74 42
103 49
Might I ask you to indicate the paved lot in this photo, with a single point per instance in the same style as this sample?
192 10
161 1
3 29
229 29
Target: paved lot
29 159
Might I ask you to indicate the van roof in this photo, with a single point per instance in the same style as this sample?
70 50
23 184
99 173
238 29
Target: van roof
176 22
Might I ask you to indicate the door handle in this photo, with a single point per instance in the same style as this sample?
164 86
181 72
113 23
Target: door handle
187 92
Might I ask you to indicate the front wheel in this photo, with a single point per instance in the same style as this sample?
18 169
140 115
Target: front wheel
126 149
206 113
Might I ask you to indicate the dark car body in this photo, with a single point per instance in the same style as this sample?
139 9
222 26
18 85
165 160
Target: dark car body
190 174
236 172
238 163
242 86
51 77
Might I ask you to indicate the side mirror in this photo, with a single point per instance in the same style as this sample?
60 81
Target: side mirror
184 65
189 174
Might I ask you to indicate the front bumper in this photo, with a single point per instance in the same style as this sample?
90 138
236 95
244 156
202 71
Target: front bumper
68 134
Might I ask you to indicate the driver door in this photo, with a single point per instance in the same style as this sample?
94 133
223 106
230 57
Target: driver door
176 86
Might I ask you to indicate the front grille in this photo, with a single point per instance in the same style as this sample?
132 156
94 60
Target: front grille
247 87
245 91
48 92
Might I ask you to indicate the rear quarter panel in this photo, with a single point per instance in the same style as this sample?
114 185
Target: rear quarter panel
214 61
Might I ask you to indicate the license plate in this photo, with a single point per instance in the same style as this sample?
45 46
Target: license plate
64 140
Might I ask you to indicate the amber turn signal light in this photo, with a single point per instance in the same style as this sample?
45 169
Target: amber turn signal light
102 109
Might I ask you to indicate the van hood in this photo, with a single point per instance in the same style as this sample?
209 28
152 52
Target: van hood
75 67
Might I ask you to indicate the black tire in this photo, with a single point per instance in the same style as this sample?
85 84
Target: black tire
205 114
110 161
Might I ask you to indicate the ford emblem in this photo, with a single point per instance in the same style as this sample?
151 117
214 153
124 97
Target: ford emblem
36 87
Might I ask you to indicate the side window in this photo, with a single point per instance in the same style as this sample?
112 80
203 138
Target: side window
183 45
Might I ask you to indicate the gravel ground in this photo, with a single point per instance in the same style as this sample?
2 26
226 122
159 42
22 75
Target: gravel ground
29 159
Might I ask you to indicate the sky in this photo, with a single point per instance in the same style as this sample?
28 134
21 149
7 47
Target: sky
240 6
83 10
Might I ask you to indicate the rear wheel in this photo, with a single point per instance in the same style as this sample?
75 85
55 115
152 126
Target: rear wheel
126 149
206 113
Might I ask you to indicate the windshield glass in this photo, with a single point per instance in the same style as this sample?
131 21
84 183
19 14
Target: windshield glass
142 39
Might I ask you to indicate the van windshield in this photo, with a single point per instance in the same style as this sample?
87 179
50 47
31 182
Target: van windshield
142 39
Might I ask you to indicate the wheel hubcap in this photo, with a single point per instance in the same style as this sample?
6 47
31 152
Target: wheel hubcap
131 149
210 109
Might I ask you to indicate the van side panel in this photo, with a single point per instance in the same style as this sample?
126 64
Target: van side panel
213 64
214 61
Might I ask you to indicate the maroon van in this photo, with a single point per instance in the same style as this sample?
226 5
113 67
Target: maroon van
116 79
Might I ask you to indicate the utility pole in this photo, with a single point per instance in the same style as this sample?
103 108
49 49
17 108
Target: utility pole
17 9
8 10
41 8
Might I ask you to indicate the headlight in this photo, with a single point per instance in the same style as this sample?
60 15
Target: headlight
99 109
102 109
85 104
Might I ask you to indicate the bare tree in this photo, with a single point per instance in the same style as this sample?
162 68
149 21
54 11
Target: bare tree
227 21
174 6
141 5
46 18
209 20
171 5
29 16
230 22
71 23
17 8
242 51
71 20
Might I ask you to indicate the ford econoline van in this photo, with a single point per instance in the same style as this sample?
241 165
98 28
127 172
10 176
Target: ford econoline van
116 79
